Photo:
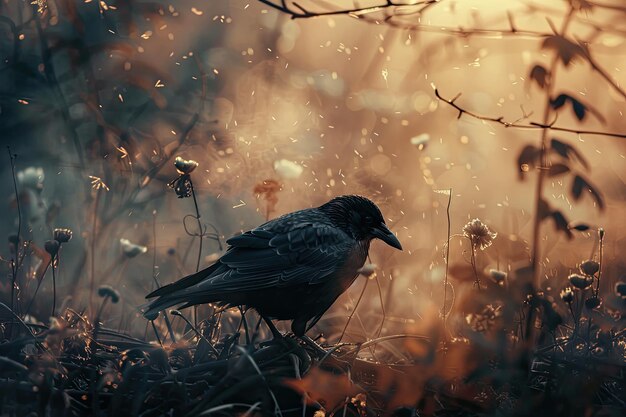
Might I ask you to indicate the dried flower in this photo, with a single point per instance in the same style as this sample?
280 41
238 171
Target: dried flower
498 276
287 169
97 183
52 247
108 291
131 249
62 235
185 166
580 281
485 320
31 178
479 234
620 290
268 189
567 295
589 267
182 186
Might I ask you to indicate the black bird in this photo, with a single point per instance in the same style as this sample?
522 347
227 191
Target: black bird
290 268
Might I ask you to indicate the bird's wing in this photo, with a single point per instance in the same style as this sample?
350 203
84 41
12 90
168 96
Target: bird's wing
307 253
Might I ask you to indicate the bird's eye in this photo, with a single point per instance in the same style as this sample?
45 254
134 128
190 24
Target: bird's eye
368 220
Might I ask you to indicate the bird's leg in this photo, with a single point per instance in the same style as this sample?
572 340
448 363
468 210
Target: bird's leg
275 333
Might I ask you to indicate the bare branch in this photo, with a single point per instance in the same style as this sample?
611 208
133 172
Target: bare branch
303 13
531 125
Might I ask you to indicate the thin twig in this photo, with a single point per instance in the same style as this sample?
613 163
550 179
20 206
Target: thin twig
353 12
154 273
196 331
93 248
531 125
39 281
473 263
15 262
156 332
354 309
601 233
54 284
382 306
445 280
200 231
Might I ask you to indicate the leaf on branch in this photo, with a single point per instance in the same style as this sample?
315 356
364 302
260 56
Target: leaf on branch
557 169
527 158
540 75
558 102
580 184
580 109
577 187
567 151
564 48
561 224
580 227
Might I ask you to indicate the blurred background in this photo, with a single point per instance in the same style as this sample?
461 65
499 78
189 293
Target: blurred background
282 113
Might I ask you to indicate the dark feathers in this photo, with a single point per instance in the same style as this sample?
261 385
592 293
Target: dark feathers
293 267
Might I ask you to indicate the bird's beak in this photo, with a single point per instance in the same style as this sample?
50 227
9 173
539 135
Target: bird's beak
383 233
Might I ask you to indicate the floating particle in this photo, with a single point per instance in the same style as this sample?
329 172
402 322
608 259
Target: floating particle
420 141
287 169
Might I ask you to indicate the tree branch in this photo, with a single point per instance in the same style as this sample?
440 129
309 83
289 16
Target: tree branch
303 13
531 125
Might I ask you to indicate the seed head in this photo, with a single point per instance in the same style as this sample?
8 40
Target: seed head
589 267
580 281
567 295
185 166
498 276
108 291
52 247
479 234
62 235
131 249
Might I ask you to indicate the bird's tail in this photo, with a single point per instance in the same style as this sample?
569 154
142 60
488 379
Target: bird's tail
176 293
151 310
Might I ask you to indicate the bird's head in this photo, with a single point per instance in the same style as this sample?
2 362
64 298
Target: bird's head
360 218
